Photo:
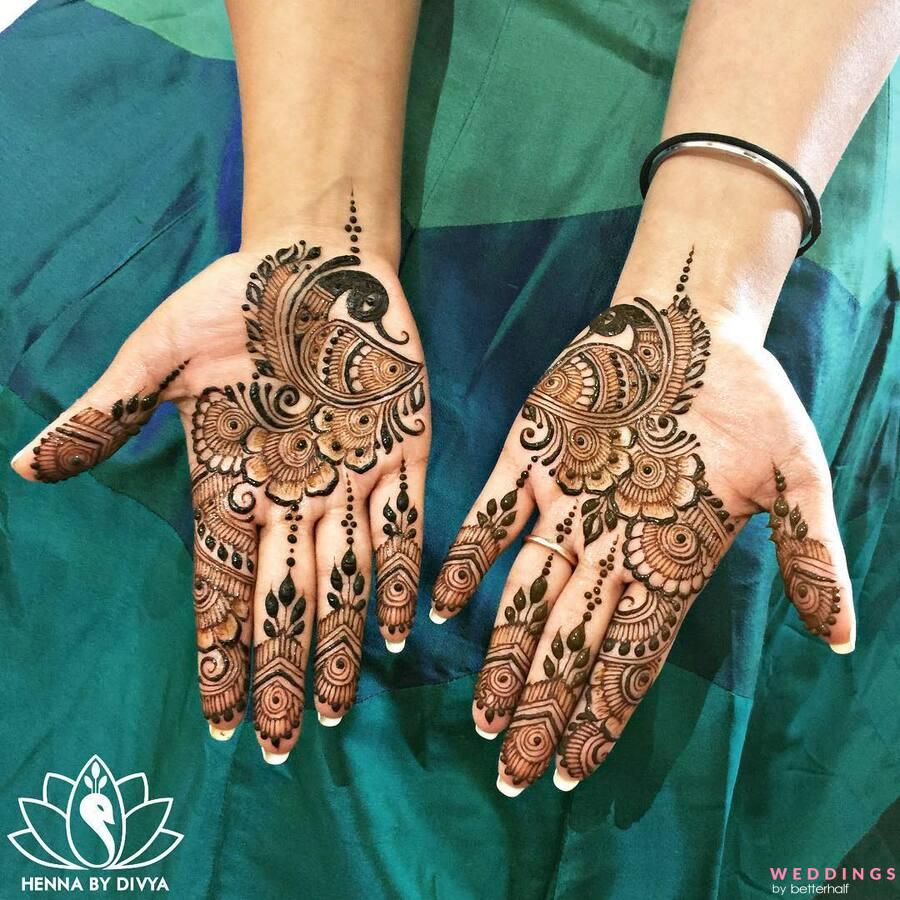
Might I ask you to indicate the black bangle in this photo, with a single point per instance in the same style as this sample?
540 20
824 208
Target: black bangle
786 174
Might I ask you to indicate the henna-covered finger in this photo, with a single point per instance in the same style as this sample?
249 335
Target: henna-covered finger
560 668
95 427
395 514
284 610
632 652
344 569
225 552
536 579
811 558
495 520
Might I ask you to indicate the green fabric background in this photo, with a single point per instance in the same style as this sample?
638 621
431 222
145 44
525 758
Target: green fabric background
119 135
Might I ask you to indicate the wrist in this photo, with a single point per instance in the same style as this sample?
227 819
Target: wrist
325 212
743 226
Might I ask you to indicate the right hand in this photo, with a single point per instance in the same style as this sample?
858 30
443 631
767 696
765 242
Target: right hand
300 381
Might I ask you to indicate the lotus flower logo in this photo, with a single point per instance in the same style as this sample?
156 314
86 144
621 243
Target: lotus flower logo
95 822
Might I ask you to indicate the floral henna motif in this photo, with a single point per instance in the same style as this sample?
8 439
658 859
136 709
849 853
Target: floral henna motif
340 633
512 648
809 577
90 436
397 563
545 706
475 549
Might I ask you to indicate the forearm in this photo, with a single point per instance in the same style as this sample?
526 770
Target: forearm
323 93
796 78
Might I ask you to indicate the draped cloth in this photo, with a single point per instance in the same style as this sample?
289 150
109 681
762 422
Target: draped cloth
527 123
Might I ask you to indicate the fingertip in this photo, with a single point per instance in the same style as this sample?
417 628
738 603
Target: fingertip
563 782
395 646
274 759
329 721
487 735
220 734
436 617
507 789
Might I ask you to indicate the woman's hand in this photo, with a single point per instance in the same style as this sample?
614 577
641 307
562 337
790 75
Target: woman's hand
300 381
646 446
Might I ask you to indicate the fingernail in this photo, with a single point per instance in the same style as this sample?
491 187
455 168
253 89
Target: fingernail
436 617
507 789
217 734
395 646
19 456
848 646
274 759
564 783
329 722
487 735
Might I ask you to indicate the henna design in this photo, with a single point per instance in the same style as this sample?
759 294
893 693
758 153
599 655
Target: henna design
512 648
546 705
91 436
340 633
809 577
224 563
475 549
397 562
279 672
633 650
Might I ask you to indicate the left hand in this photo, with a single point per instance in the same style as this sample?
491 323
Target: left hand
645 447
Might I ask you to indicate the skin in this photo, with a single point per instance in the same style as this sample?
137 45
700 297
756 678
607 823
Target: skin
299 183
828 60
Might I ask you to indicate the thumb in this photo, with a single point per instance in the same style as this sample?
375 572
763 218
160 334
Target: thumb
811 556
99 423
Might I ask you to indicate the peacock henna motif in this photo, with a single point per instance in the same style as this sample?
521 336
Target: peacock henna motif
475 549
397 561
545 706
809 577
91 436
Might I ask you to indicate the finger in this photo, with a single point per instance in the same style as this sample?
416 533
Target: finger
395 513
811 556
99 423
493 523
560 668
225 548
282 627
343 564
535 581
632 652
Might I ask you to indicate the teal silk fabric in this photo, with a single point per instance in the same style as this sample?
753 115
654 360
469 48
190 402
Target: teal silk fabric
528 119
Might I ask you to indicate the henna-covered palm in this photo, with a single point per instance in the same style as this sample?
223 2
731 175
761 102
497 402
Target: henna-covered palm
300 382
646 445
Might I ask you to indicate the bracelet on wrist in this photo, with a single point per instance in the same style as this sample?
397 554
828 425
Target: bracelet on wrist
731 147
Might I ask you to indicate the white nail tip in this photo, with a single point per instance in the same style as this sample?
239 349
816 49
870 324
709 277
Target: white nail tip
849 647
217 734
563 783
487 735
435 617
275 759
329 722
395 646
508 790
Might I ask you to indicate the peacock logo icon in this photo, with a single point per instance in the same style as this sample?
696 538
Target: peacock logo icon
94 821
